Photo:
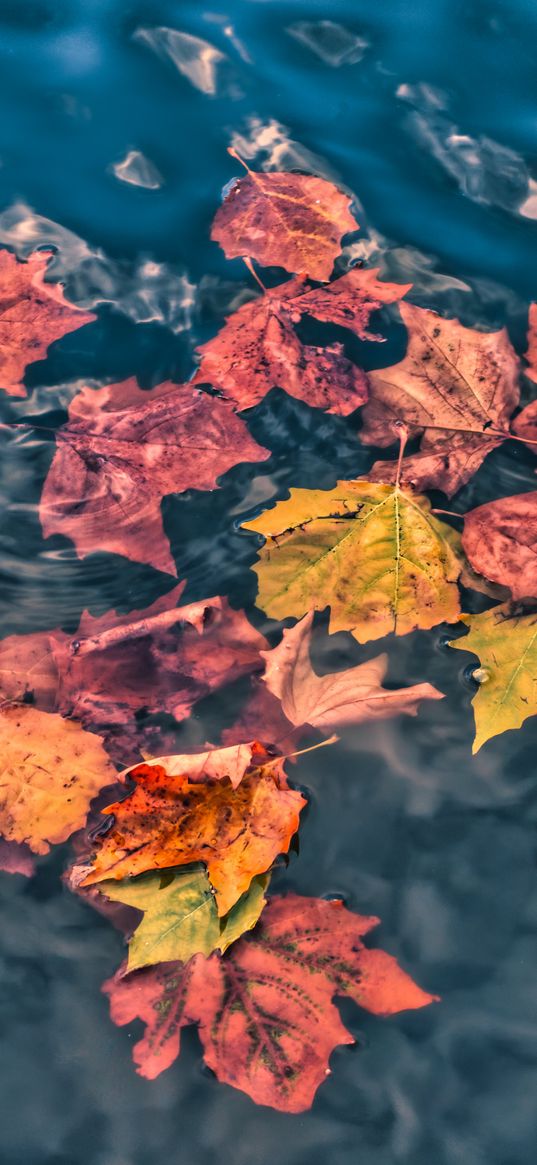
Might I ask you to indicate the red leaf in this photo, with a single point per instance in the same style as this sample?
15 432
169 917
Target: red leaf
266 1018
294 221
122 451
33 314
500 541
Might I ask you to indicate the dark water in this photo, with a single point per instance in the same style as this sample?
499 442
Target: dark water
427 110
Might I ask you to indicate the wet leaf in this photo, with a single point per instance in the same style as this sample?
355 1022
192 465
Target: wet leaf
33 314
122 451
500 541
531 352
343 697
525 425
226 808
375 553
506 646
258 348
16 859
180 918
294 221
455 386
266 1018
52 769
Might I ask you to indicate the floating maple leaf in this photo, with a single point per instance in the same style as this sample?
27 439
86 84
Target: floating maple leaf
266 1018
456 386
52 769
294 221
161 659
506 646
33 314
346 697
500 541
122 451
375 553
258 348
230 808
180 918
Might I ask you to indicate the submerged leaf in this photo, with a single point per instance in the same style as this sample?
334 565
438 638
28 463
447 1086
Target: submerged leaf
180 918
33 314
266 1018
506 646
375 553
344 697
294 221
122 451
227 808
455 386
52 769
500 541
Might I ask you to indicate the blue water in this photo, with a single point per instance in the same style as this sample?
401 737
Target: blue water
427 111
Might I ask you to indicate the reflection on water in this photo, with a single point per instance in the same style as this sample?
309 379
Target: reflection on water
426 112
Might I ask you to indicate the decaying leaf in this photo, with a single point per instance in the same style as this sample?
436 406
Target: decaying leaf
16 858
531 352
161 659
122 451
180 918
33 314
375 553
227 809
266 1018
343 697
525 425
456 386
294 221
52 769
506 646
500 541
258 348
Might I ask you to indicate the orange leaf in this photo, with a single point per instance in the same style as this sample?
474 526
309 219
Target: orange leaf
343 697
52 769
500 541
228 808
455 386
266 1018
294 221
33 314
122 451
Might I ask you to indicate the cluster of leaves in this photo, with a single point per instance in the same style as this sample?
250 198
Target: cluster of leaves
182 857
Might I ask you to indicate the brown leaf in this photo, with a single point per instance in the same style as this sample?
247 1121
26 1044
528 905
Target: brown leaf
122 451
531 353
344 697
229 808
525 426
27 668
262 716
266 1018
455 386
258 348
52 769
294 221
33 314
500 541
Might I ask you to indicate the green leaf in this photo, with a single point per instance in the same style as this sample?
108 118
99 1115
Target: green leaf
180 918
506 646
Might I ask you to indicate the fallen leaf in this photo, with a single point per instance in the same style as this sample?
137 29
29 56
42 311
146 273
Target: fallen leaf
500 541
122 451
33 314
375 553
506 646
27 668
294 221
226 808
180 918
261 715
258 348
266 1018
343 697
52 770
531 352
456 386
525 425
